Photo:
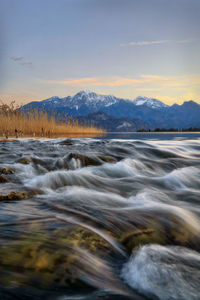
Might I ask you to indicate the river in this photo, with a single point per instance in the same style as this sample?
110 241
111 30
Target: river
115 217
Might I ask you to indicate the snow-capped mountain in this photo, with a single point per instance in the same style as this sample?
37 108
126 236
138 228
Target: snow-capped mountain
96 101
149 110
150 102
82 98
92 99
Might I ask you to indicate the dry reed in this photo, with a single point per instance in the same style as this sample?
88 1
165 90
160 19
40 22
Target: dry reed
16 122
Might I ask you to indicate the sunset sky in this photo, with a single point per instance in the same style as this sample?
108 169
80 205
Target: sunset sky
122 47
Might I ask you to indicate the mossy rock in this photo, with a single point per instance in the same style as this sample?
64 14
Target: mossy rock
3 179
14 196
6 171
51 258
171 232
83 238
24 161
141 237
180 233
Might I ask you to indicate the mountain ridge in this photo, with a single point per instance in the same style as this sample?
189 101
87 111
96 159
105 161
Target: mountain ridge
149 110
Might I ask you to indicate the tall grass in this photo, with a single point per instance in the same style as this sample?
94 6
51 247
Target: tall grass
14 122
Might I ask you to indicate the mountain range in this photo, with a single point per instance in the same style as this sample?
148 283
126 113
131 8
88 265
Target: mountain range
119 114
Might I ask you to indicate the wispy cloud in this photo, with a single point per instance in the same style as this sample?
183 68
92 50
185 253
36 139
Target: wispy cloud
21 61
28 64
144 43
17 58
96 81
158 42
144 81
187 41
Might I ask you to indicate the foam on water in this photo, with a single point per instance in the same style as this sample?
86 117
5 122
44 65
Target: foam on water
136 202
170 273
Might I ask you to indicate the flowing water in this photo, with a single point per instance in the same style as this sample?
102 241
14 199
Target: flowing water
100 218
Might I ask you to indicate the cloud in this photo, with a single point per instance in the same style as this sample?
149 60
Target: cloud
17 58
187 41
21 61
171 81
28 64
147 43
96 81
148 89
144 43
147 81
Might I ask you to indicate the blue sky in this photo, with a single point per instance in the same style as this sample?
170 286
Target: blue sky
121 47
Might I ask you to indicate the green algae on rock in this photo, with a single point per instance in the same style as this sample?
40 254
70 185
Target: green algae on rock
137 238
51 258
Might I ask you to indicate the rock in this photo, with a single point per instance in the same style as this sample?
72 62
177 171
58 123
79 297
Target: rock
137 238
6 170
85 160
107 159
52 258
67 142
85 239
3 179
172 232
24 161
14 196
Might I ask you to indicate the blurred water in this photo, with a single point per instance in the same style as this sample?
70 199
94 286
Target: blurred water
106 218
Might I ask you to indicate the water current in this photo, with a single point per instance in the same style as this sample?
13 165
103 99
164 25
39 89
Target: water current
103 218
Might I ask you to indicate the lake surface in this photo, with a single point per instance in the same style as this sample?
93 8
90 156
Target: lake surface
115 217
152 135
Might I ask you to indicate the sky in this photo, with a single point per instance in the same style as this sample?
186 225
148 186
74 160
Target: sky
125 48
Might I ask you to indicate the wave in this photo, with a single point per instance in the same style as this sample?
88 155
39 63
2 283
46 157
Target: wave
165 272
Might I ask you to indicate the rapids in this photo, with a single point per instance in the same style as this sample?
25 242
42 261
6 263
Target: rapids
100 219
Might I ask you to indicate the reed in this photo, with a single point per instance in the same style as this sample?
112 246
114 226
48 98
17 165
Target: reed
14 122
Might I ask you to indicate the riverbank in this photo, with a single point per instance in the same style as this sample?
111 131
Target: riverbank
14 122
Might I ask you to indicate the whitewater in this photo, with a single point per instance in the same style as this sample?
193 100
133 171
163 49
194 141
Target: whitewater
100 218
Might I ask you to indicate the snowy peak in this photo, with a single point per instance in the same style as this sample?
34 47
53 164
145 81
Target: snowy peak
82 98
89 96
53 99
152 111
150 102
92 99
96 101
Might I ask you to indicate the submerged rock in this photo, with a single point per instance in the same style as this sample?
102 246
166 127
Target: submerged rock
24 161
137 238
52 258
85 160
85 239
3 179
107 159
14 196
173 231
6 170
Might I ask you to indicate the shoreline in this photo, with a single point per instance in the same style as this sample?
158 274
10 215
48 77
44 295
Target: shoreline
91 135
14 138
